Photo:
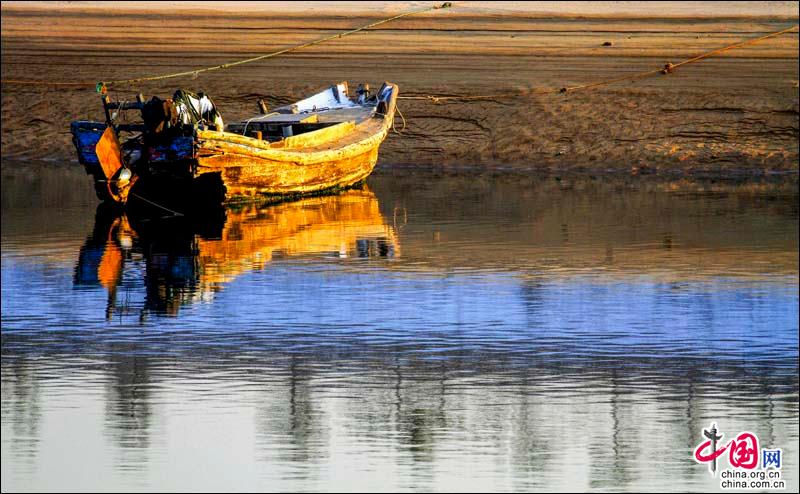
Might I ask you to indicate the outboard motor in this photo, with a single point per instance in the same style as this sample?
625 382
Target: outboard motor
160 118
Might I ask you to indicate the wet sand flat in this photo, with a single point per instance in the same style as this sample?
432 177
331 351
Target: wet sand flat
735 113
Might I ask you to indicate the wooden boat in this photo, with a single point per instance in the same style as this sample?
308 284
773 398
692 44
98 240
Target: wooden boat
327 141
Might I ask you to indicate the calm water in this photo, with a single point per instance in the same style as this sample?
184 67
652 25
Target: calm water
423 333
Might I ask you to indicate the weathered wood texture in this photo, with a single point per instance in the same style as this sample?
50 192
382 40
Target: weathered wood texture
336 156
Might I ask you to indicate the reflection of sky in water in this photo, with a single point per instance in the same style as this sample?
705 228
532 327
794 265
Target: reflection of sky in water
546 361
714 319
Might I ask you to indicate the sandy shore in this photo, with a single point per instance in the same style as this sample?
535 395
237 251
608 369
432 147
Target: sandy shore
737 113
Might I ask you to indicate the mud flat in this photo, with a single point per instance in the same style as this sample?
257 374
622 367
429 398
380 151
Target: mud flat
736 114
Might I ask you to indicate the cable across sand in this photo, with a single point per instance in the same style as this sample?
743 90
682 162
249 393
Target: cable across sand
738 111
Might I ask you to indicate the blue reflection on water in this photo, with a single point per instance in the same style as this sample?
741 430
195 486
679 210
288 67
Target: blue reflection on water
456 346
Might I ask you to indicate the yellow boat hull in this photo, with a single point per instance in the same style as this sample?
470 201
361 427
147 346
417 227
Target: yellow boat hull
251 172
337 156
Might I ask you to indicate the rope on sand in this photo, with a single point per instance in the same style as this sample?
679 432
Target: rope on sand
666 69
436 99
46 83
399 132
194 73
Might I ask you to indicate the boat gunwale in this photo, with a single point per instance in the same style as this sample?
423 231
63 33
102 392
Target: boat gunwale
311 155
261 144
294 156
279 147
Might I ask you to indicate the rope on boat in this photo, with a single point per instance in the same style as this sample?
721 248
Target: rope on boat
399 132
666 69
175 213
193 73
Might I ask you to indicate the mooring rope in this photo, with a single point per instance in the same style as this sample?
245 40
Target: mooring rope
399 132
175 213
46 83
735 45
666 69
231 64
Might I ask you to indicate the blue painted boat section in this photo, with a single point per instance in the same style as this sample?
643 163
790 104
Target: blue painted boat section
179 148
85 136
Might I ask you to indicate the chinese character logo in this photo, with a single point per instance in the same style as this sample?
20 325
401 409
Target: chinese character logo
742 450
710 458
771 458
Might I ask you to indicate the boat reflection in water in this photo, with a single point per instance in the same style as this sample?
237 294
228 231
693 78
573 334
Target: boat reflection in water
184 259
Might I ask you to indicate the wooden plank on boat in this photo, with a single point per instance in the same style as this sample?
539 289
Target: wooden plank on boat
214 144
280 119
320 136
